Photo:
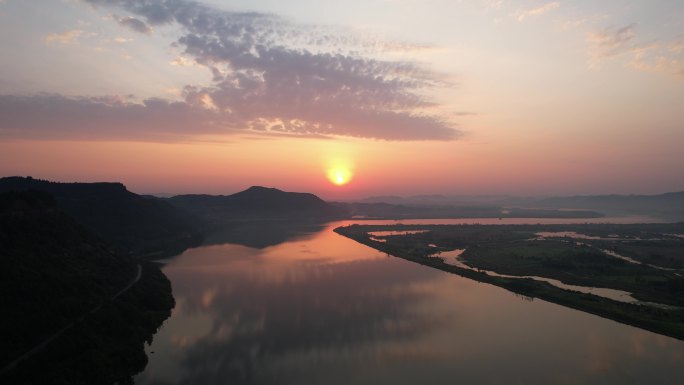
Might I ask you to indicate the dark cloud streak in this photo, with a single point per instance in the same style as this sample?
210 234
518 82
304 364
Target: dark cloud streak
52 116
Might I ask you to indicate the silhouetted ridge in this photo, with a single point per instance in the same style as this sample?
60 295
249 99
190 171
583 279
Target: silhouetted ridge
135 224
264 199
258 203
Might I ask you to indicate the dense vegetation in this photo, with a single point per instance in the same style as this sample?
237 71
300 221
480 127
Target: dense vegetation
582 265
517 250
57 278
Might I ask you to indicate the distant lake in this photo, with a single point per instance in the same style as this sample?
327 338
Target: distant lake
319 308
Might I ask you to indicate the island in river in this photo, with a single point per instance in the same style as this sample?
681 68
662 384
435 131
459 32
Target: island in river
645 261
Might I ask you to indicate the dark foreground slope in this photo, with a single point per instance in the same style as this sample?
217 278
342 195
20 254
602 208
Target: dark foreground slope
62 284
134 224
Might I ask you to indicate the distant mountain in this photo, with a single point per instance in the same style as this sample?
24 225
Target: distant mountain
668 206
139 225
258 203
57 279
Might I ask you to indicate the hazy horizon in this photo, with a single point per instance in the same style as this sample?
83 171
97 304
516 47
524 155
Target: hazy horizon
219 191
346 100
353 198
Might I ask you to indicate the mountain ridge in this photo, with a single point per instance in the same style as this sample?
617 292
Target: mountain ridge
134 224
258 203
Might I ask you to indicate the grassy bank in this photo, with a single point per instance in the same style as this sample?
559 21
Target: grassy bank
513 250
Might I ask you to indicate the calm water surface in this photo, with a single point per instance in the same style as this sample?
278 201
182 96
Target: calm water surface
322 309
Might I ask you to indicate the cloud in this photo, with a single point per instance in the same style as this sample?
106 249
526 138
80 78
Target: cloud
538 11
611 42
53 116
269 76
677 45
652 58
493 4
65 37
649 56
182 62
135 25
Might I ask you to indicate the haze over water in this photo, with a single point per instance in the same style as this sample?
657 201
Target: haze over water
321 308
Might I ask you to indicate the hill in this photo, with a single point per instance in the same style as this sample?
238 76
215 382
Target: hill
57 279
258 203
134 224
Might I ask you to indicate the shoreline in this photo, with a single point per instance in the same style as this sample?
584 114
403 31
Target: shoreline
666 322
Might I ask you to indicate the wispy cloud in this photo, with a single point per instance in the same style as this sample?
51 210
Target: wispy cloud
653 58
493 4
648 56
135 25
270 76
537 11
121 40
182 61
65 37
611 41
577 21
677 45
53 116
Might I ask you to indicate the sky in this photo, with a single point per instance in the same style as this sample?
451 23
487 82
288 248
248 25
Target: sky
387 97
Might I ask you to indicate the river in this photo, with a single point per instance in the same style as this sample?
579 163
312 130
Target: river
319 308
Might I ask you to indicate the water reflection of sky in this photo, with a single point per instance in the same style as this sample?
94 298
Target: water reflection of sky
321 308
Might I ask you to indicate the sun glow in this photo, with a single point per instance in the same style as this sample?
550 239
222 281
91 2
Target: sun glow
339 175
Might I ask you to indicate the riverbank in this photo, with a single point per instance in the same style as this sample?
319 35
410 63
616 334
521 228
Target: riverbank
481 242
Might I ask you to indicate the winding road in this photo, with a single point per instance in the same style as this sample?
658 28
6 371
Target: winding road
61 331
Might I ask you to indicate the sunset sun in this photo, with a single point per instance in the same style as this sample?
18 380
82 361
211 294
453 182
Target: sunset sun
339 175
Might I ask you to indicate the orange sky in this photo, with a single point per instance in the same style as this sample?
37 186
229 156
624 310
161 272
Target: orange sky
482 97
379 167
